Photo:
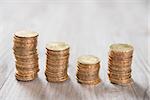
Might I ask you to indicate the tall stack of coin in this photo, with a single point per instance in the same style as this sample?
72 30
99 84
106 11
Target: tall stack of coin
120 60
88 70
25 43
57 61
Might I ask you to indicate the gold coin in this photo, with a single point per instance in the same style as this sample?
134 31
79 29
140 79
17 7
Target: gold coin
94 82
121 48
120 55
119 76
25 40
87 77
56 74
125 66
122 82
119 64
58 53
27 70
85 66
57 46
26 60
31 39
25 34
25 53
119 73
57 66
115 58
31 61
24 74
25 79
57 63
57 60
87 69
51 69
23 45
58 77
27 57
26 65
57 80
60 57
119 69
23 49
120 61
88 72
88 59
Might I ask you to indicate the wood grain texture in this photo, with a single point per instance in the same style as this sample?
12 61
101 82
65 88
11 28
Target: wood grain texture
40 89
89 28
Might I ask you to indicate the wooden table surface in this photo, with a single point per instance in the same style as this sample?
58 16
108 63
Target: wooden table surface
40 89
88 32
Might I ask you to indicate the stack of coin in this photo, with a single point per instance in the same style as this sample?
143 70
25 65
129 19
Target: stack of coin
88 70
25 43
119 65
57 61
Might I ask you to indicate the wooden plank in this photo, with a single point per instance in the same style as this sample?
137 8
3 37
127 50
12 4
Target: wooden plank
40 89
6 58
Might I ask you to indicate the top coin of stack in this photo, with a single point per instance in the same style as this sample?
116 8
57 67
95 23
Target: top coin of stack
57 61
25 43
88 70
119 66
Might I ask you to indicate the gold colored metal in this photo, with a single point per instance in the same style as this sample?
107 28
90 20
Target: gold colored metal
57 62
119 64
25 52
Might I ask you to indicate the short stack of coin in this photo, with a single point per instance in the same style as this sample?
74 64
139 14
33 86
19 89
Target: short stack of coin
88 70
25 51
57 62
119 66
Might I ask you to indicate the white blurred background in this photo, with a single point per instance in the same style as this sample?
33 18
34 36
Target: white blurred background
76 21
67 17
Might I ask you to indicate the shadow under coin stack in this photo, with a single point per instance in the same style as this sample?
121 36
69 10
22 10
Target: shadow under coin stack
120 60
57 62
88 70
25 43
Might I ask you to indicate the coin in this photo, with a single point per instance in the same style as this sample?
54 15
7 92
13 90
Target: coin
27 57
88 60
58 53
57 59
52 57
25 52
57 62
122 82
93 82
57 80
26 78
88 70
25 40
119 63
26 34
57 46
